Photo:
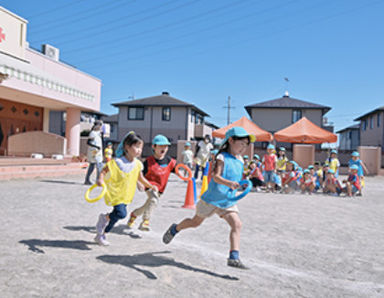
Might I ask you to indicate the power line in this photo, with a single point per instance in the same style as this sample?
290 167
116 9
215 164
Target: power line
55 9
141 33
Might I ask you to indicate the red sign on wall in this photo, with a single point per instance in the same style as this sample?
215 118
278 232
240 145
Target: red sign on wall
2 35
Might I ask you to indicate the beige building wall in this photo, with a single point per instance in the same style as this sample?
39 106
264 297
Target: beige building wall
372 136
14 30
276 119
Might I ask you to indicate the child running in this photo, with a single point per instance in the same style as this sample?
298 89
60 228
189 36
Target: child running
121 176
228 171
157 169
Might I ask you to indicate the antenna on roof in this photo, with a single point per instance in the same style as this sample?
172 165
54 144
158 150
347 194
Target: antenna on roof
286 93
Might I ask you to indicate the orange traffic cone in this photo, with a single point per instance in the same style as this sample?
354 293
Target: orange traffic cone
189 197
204 185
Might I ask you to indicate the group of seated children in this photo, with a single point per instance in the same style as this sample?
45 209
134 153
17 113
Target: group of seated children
276 173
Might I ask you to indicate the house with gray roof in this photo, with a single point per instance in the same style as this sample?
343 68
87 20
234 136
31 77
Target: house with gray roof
273 115
162 114
372 128
349 137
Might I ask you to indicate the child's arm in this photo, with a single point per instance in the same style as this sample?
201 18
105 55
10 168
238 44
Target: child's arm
146 183
104 172
219 179
364 167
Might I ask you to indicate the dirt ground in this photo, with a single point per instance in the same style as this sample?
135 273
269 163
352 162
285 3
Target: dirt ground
296 246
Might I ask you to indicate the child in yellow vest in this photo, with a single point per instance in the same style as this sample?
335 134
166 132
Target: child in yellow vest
121 176
108 152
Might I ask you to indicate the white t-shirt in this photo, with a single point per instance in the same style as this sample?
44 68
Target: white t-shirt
221 157
95 155
187 156
203 154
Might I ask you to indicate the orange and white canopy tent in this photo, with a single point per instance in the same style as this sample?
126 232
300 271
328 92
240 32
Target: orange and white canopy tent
305 132
261 134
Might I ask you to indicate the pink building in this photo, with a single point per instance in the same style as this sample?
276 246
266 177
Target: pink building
32 84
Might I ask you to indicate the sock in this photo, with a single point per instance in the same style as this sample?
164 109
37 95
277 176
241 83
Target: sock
173 230
234 254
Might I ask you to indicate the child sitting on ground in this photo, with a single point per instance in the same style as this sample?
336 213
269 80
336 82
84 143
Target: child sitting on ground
307 182
353 181
289 178
331 184
255 175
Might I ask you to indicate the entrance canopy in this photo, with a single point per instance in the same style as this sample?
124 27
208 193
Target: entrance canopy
261 134
305 132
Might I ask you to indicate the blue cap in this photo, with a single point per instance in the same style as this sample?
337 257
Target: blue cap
333 151
256 156
246 156
281 149
306 171
354 167
187 144
214 151
109 143
160 140
355 153
270 146
331 171
310 167
238 131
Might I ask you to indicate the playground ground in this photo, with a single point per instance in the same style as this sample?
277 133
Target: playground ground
296 246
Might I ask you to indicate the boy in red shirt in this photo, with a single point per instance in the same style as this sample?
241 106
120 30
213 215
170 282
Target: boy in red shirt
353 181
157 169
269 163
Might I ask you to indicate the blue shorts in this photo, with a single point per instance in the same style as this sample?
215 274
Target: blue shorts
269 176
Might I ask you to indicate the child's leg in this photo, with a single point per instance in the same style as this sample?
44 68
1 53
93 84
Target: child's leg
186 223
91 167
197 171
153 201
140 211
119 212
233 219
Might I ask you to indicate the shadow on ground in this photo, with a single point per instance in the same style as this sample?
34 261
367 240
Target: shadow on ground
62 182
152 260
120 230
33 244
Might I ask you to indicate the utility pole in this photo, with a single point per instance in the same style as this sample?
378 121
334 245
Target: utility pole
228 107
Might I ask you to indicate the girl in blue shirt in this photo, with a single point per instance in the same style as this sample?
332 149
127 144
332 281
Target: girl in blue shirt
227 173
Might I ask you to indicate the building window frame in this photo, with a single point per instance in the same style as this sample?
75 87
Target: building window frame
135 113
371 122
297 114
378 120
364 125
166 114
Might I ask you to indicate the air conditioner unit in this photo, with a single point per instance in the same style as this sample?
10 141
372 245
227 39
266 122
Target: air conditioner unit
51 52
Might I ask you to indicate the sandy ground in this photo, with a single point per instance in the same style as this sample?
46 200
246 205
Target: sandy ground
296 246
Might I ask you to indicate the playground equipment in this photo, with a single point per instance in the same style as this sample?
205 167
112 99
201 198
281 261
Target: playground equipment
102 193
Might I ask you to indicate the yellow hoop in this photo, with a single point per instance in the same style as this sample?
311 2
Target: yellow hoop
89 200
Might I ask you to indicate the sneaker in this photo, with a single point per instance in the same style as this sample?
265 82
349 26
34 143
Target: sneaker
131 220
236 263
167 237
101 224
101 240
87 183
144 226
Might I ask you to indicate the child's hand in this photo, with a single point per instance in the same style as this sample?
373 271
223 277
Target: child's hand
233 185
99 182
155 189
140 186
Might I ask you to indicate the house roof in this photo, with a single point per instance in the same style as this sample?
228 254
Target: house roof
380 109
159 101
111 118
287 102
211 125
352 127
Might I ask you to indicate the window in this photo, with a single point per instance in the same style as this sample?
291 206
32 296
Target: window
371 122
364 124
193 114
296 115
136 113
166 114
378 120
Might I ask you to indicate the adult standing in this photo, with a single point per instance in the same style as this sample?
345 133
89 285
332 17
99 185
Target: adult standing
95 151
203 151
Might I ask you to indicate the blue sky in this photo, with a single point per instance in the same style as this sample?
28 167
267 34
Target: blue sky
204 51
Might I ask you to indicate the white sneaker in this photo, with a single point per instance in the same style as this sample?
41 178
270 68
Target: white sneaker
101 224
101 240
